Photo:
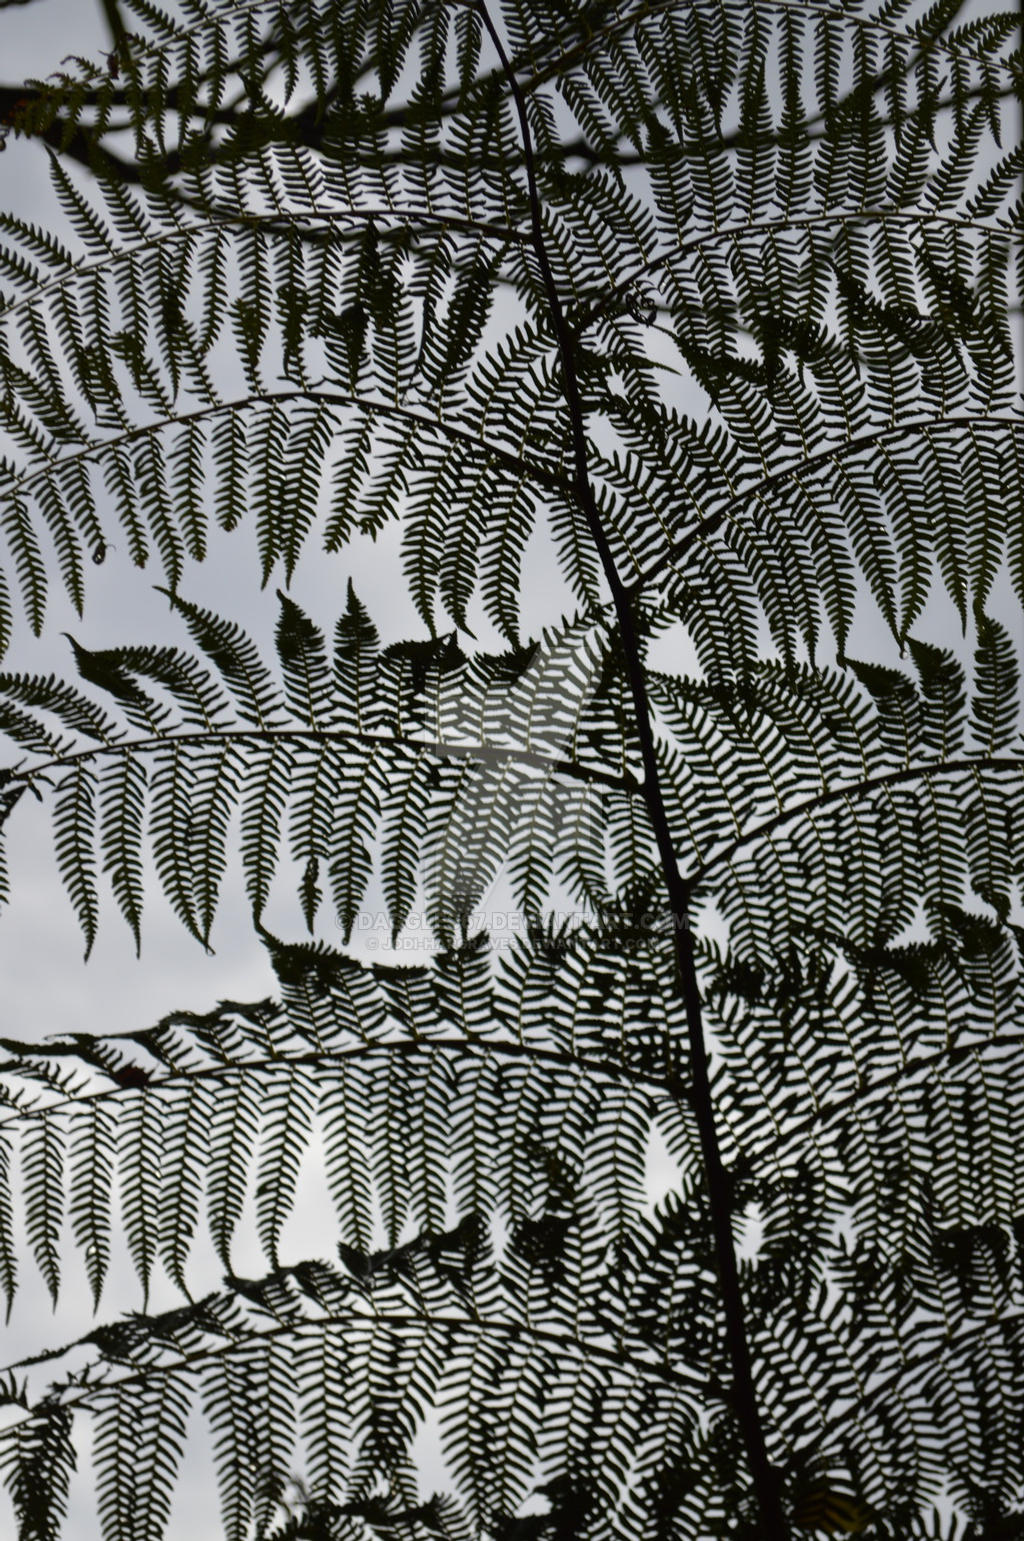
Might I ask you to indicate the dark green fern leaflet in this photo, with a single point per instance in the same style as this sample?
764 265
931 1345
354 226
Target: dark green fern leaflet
442 774
555 1280
414 760
829 263
677 1195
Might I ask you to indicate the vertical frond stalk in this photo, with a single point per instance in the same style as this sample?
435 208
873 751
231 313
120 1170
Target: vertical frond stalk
743 1397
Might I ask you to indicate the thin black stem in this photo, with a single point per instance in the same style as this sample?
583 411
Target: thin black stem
794 1141
487 449
115 24
1008 1321
754 228
79 1393
412 218
469 1047
307 126
478 754
743 1393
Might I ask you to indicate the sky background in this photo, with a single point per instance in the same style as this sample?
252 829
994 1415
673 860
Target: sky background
47 987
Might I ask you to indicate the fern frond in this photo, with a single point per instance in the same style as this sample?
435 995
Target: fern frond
714 304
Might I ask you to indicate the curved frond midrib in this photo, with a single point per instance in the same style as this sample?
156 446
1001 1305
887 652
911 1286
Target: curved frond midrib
964 765
757 488
480 754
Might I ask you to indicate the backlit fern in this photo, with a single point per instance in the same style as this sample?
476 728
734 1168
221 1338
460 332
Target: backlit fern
704 311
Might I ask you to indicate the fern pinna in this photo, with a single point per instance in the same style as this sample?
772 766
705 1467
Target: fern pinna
706 308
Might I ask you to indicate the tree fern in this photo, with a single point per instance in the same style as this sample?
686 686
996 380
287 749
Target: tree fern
705 312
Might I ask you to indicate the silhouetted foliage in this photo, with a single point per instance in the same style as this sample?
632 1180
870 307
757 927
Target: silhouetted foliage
711 301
